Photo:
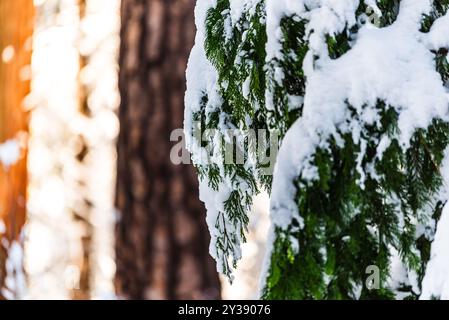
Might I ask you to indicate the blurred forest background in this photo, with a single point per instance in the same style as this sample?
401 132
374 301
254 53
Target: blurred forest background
90 205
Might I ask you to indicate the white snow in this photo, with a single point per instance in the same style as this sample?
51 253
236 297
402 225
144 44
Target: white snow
9 153
239 7
437 37
2 226
15 281
276 10
392 64
202 79
400 276
436 280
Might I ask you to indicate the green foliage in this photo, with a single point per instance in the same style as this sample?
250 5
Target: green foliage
349 226
238 54
351 221
294 48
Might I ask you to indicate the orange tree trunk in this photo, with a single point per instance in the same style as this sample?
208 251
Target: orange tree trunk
161 237
16 25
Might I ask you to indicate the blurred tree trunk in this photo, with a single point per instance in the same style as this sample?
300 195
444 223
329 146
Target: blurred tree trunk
83 211
162 239
16 26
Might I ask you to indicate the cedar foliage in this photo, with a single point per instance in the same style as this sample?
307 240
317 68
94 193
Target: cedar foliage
336 238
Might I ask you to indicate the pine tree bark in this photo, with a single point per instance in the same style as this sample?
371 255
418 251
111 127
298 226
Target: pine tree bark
161 237
16 26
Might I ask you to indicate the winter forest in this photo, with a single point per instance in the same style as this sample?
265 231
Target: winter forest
224 150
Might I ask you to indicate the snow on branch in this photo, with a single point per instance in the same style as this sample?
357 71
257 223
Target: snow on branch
357 91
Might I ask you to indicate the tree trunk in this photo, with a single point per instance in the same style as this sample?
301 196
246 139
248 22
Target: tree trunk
16 26
162 238
83 212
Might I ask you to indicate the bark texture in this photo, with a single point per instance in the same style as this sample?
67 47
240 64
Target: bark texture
16 26
162 238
